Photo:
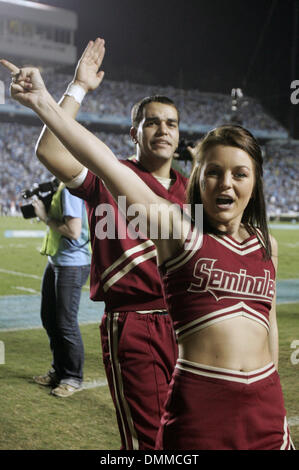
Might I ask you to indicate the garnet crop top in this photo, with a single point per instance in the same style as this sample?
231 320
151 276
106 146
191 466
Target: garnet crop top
215 279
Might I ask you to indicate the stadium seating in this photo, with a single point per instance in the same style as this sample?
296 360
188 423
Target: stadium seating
21 169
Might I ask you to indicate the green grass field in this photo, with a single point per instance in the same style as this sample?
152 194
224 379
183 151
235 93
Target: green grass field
33 419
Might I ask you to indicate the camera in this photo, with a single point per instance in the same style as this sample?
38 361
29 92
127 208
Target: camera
44 192
183 152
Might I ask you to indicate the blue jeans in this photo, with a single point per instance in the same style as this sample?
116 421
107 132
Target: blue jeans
60 299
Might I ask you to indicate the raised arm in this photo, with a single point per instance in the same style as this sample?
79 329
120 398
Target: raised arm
29 89
87 77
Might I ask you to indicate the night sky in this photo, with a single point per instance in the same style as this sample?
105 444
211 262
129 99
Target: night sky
212 45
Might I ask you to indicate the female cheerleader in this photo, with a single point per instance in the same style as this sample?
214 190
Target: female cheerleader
219 283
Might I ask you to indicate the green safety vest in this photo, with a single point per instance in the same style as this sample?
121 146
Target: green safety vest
51 240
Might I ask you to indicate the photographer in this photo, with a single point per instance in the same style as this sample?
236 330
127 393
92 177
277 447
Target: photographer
67 246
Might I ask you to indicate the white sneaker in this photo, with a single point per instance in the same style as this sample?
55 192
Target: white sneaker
64 390
48 380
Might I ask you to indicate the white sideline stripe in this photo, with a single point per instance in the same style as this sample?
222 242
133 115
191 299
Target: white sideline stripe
293 421
291 245
26 289
93 384
24 233
39 327
15 273
13 245
4 330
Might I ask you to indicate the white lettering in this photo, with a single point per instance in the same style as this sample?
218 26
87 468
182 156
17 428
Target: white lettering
167 221
170 459
122 222
110 460
137 227
105 227
294 95
225 283
148 459
2 92
2 352
295 354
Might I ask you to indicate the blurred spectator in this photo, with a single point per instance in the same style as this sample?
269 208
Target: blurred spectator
281 169
196 107
20 168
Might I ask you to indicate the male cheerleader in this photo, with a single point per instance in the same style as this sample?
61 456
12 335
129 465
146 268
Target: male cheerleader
138 343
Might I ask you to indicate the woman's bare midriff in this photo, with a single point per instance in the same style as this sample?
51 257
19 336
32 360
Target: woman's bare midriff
238 344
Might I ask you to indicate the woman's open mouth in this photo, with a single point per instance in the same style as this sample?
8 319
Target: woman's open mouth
224 202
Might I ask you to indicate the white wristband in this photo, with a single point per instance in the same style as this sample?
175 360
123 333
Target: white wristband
78 180
76 91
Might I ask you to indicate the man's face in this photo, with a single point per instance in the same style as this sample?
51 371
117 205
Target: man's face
157 135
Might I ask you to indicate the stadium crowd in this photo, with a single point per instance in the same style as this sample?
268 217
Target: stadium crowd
282 177
115 98
21 169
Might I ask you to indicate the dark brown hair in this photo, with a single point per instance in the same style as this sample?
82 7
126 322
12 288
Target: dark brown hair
254 215
137 110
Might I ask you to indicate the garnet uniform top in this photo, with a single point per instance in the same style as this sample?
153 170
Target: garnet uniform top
124 272
216 279
216 408
138 342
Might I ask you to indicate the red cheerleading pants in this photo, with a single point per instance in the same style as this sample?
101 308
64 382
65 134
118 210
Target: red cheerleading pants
210 408
139 355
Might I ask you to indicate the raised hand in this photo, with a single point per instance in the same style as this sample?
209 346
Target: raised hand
87 73
27 86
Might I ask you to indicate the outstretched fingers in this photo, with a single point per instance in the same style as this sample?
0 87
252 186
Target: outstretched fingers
87 51
94 52
10 66
100 76
20 80
99 50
